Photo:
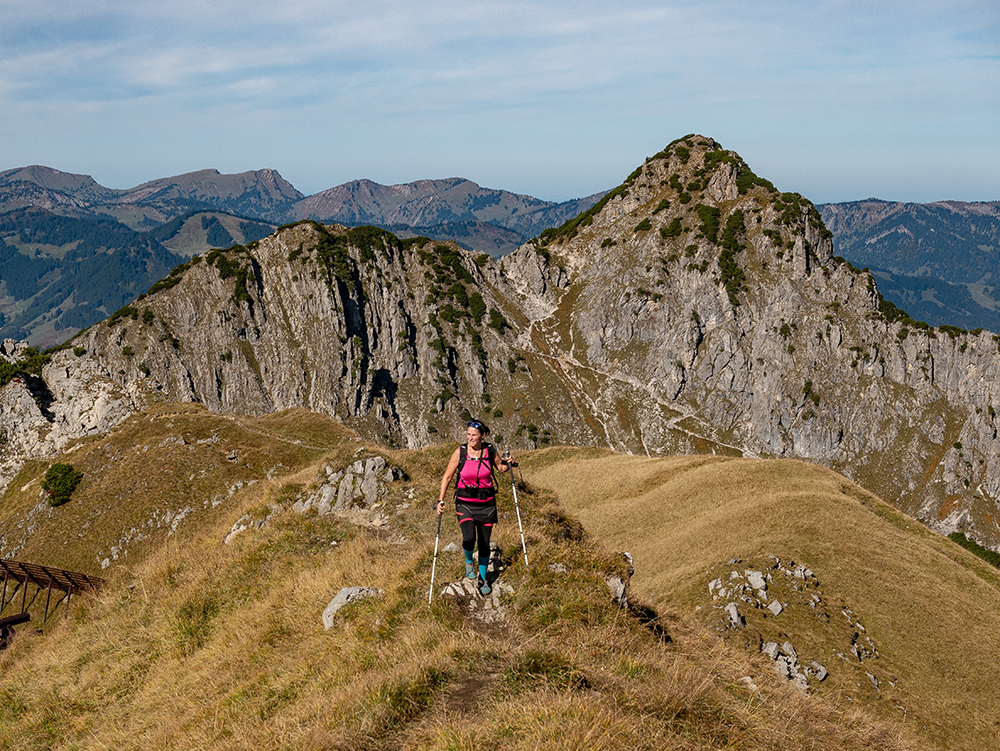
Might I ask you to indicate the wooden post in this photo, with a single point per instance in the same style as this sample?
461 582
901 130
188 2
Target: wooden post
3 600
24 592
48 596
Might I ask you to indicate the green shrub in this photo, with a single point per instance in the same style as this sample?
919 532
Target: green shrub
674 229
122 312
710 217
808 393
732 275
477 307
497 321
59 483
975 548
643 226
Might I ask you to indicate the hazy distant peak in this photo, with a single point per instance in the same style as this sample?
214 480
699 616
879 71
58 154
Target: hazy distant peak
82 187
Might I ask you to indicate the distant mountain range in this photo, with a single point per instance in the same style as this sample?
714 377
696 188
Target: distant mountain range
938 261
73 251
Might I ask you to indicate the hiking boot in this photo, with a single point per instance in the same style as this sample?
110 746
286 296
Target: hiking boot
470 570
484 588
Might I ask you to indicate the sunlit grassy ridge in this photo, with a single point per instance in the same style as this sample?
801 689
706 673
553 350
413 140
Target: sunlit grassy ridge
199 644
932 609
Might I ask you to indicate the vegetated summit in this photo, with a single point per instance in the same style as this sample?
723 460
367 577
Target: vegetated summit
695 308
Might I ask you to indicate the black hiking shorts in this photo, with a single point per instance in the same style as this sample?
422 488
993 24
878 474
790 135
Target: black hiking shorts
480 513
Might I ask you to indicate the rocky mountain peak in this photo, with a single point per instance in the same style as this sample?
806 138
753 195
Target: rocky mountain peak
698 191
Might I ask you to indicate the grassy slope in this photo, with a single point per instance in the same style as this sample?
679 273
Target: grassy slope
196 644
171 460
932 609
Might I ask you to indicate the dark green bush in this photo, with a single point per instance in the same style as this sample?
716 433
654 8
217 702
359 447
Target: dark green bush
477 307
59 483
674 229
710 217
497 321
975 548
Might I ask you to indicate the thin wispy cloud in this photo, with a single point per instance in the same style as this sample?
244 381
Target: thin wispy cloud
837 100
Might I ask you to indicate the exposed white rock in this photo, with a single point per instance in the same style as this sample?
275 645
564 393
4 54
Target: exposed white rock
343 597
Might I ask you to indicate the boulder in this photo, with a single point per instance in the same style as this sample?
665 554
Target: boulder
735 619
346 492
327 495
757 580
344 596
619 590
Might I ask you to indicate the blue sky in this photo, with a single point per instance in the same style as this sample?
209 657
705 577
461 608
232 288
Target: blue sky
838 100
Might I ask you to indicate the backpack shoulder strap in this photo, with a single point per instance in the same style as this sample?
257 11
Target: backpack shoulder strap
463 454
490 454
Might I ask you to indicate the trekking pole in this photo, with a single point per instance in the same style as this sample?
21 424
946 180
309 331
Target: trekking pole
430 593
513 487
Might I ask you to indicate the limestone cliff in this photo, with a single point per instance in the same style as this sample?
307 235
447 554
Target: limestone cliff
694 308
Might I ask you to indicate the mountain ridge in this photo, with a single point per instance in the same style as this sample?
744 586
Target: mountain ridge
216 590
694 308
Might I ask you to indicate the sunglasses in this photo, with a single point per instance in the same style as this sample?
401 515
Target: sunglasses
474 424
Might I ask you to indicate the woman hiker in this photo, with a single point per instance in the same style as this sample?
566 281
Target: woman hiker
475 495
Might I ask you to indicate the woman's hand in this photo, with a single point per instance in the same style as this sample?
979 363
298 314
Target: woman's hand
439 507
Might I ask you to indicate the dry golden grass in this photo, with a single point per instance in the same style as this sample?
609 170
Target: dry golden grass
172 459
932 609
202 645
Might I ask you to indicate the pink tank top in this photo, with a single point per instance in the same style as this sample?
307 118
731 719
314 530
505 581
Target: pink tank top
475 473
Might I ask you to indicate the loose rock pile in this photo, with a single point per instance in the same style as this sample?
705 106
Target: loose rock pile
487 609
771 599
364 484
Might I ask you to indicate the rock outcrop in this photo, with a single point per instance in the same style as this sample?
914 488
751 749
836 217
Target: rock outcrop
764 605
